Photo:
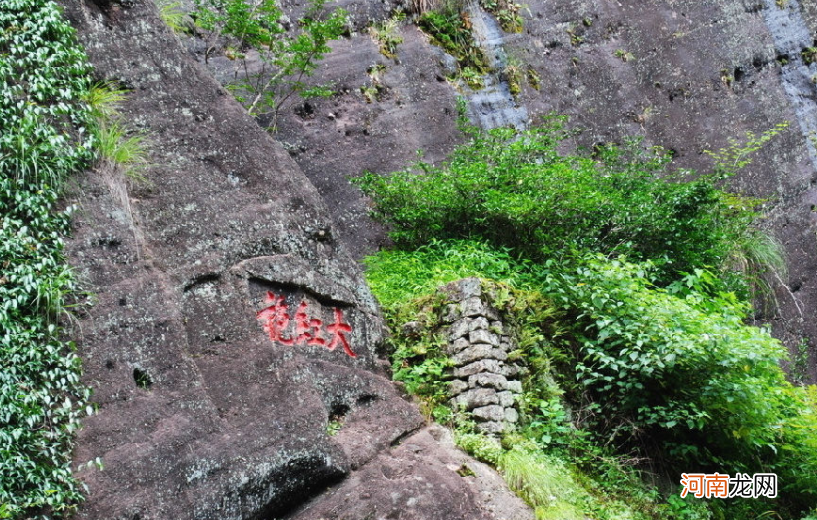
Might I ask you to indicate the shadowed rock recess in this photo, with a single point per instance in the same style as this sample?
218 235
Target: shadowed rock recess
230 327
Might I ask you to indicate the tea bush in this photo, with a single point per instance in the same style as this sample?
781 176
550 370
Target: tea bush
517 191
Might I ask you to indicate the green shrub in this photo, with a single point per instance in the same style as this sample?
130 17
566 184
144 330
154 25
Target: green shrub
638 358
518 191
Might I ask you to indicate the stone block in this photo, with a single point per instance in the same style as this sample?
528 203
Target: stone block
506 398
483 336
479 323
477 352
451 313
507 370
458 329
491 313
457 387
475 398
472 307
483 365
488 380
511 415
491 427
458 345
496 327
470 287
491 412
514 386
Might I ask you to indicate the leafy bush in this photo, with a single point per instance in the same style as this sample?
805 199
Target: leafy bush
44 81
684 369
518 191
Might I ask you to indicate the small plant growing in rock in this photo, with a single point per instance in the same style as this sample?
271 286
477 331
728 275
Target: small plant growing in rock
534 80
174 16
386 35
288 57
624 55
506 13
472 78
514 73
450 29
809 55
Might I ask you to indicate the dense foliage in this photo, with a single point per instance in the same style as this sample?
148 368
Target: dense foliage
44 77
644 357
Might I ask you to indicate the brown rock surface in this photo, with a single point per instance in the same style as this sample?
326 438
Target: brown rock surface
201 415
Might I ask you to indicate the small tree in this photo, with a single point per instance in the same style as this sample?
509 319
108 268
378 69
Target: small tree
287 57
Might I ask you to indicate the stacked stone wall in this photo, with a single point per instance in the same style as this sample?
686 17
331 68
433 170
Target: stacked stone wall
484 381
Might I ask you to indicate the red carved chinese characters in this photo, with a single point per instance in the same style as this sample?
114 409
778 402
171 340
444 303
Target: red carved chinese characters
275 318
308 331
337 330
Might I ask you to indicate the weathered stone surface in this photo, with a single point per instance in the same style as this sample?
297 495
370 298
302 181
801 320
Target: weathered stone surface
491 427
511 415
514 386
489 413
457 387
508 370
451 314
475 398
477 352
458 345
470 287
483 365
419 480
473 306
458 329
506 398
483 336
488 380
479 324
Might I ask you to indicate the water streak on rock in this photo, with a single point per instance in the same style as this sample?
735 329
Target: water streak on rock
791 37
493 106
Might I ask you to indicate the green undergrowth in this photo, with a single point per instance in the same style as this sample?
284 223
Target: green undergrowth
628 288
47 132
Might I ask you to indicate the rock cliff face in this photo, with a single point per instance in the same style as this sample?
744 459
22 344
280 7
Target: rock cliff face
685 75
233 345
232 327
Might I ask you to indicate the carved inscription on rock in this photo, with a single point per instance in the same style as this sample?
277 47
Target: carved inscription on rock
306 327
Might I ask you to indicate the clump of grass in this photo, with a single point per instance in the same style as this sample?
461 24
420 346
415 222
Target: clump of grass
173 15
105 99
120 149
387 35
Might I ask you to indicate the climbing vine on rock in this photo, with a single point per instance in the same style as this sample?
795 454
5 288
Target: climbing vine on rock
44 77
